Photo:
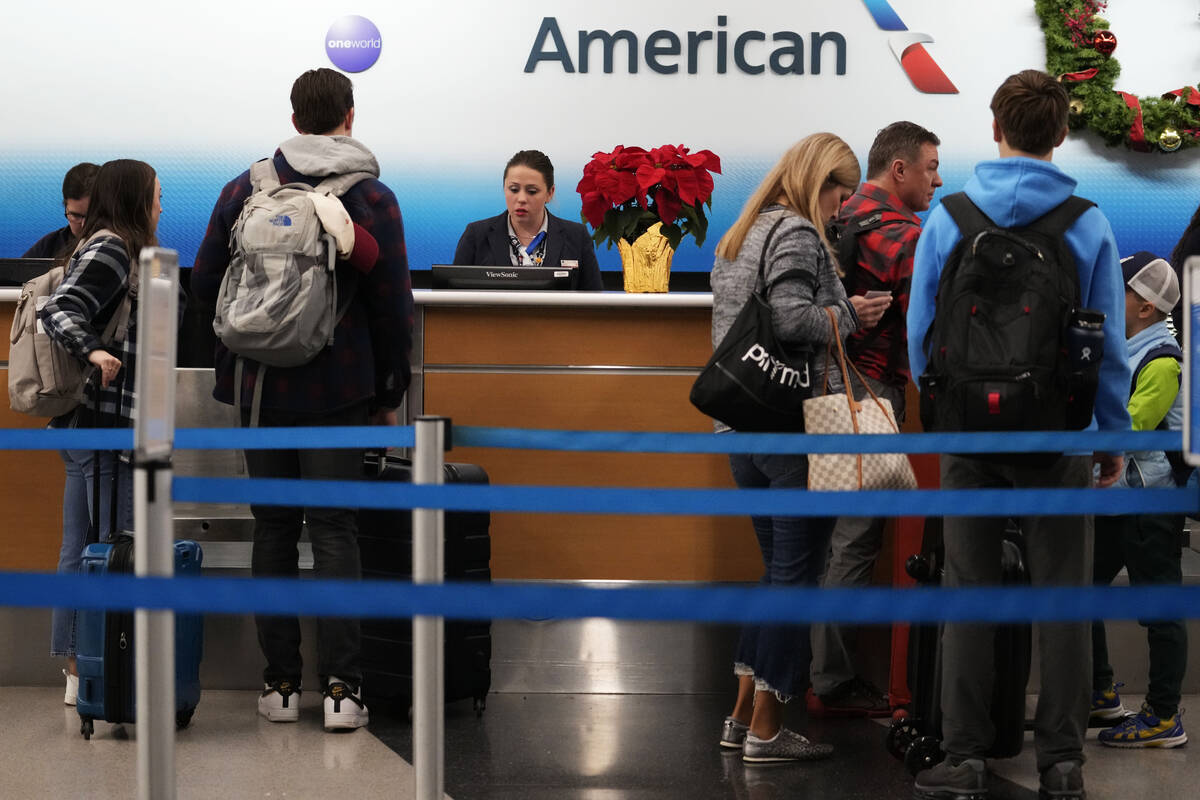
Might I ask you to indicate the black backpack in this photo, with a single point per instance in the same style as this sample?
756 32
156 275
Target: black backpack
843 237
997 353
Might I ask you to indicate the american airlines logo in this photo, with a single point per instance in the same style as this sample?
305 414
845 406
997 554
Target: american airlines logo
777 371
909 49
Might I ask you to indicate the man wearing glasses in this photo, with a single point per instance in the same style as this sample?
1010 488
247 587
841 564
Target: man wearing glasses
76 189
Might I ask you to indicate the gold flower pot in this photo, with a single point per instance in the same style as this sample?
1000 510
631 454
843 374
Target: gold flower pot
646 264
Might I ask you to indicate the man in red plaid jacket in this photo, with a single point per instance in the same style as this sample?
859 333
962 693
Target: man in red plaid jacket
880 228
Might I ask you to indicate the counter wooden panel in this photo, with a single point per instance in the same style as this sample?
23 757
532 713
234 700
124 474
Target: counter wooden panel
31 495
587 546
6 317
668 337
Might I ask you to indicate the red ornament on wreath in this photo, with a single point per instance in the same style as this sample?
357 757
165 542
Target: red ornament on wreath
1104 42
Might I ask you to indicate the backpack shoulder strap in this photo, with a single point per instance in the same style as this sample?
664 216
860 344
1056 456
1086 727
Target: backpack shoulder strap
846 246
338 185
966 215
1058 220
263 176
1165 350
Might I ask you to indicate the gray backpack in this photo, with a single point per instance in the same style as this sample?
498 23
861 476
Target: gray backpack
278 300
44 380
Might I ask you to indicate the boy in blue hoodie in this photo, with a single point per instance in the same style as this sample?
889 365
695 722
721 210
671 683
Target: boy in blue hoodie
1029 120
1148 545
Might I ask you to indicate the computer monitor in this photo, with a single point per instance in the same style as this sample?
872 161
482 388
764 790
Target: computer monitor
448 276
16 271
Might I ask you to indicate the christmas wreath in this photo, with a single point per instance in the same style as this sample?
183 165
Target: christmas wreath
1079 48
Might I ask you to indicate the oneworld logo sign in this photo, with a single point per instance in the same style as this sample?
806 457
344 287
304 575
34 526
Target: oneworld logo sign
724 46
353 43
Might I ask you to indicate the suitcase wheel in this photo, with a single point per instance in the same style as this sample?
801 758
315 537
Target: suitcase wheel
923 754
182 718
86 727
901 734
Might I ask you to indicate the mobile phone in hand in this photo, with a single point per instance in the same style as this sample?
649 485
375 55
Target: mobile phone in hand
871 295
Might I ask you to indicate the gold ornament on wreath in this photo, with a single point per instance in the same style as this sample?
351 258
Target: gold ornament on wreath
1079 49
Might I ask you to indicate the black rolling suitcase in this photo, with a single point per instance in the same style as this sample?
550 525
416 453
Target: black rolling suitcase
385 543
916 737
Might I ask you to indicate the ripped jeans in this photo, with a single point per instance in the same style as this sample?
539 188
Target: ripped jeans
794 551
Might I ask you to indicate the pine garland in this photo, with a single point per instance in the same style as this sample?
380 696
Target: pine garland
1168 122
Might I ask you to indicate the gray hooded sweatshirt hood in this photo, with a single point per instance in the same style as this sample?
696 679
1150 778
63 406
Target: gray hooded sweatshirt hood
318 156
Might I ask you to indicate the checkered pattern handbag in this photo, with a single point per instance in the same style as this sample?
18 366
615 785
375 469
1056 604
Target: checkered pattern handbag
841 413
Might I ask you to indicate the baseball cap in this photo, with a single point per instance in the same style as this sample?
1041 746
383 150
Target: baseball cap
1153 279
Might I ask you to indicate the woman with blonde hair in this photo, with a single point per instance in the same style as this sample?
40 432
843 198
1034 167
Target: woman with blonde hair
783 226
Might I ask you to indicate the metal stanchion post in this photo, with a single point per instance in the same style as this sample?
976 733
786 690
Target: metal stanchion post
429 690
154 551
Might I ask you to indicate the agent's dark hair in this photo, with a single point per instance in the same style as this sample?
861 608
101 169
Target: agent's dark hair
78 181
534 159
121 200
902 140
1031 109
321 98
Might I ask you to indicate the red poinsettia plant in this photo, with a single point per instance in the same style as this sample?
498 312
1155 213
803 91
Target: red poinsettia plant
627 191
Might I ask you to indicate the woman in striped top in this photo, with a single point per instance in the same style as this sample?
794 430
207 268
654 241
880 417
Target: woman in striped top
122 218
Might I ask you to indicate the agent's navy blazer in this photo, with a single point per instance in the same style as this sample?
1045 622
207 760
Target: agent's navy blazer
485 244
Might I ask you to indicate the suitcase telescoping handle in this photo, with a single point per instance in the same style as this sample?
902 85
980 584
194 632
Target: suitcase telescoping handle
94 533
374 462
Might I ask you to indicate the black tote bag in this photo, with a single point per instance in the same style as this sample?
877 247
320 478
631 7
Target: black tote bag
753 382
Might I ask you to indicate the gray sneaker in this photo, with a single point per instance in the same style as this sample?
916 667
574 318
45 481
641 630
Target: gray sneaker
966 780
784 746
1062 781
733 733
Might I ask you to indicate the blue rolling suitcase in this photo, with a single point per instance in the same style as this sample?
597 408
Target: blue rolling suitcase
104 644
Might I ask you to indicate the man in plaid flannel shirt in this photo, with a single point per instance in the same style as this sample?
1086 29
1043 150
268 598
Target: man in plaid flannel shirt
902 175
361 376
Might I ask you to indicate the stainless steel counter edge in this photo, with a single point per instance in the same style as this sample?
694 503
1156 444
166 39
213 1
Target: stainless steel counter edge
430 297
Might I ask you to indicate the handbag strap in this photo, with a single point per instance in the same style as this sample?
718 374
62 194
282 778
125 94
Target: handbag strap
762 262
846 367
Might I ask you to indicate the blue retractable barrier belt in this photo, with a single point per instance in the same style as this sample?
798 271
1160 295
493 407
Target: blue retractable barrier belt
719 604
629 442
603 441
364 436
724 502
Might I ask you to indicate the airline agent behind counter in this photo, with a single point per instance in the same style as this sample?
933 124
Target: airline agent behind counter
526 234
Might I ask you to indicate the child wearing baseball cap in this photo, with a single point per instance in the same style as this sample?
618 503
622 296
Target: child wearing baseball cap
1148 545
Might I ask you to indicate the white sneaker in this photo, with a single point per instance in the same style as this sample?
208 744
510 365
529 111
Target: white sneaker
280 702
344 709
71 696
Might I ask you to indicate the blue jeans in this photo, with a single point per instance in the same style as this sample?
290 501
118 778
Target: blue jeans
77 522
793 551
